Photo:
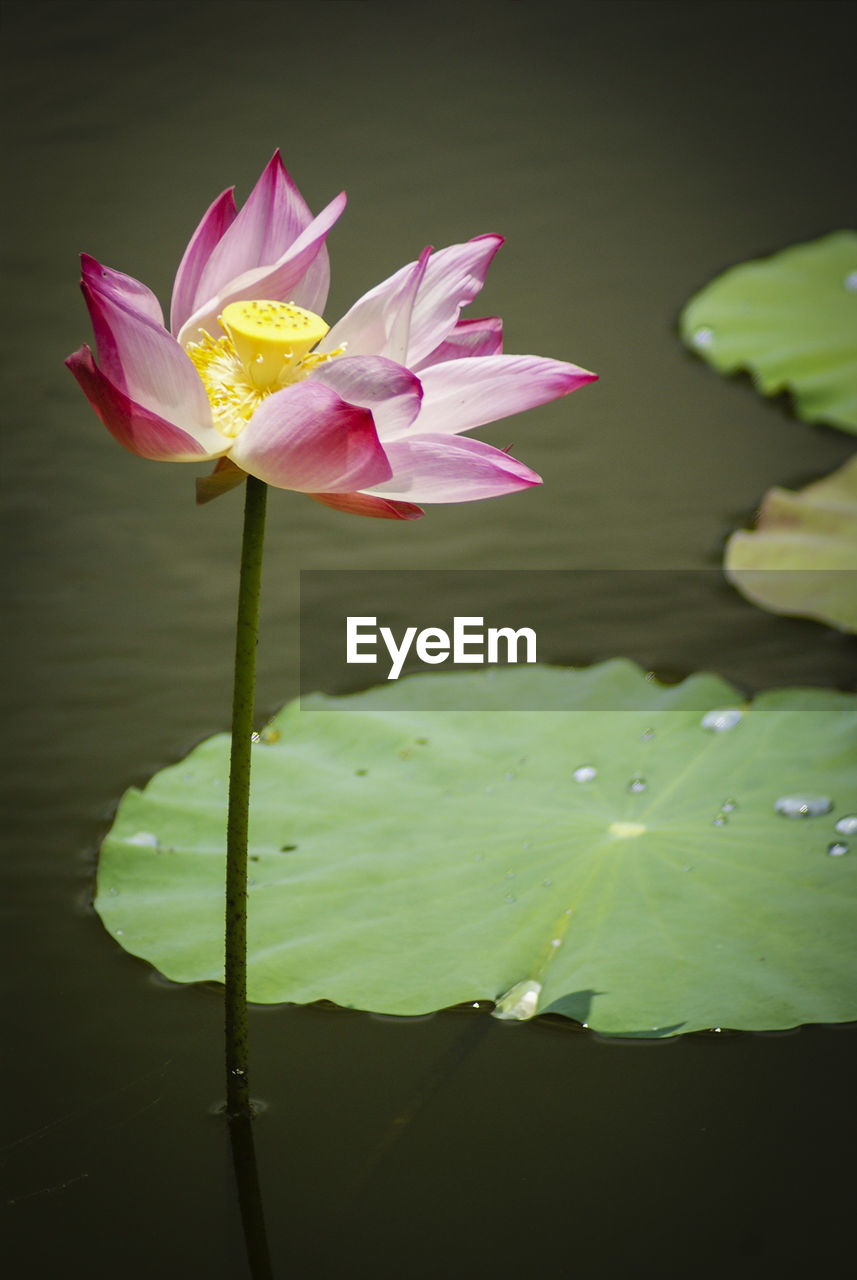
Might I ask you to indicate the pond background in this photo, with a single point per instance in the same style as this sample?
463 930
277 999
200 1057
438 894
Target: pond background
628 152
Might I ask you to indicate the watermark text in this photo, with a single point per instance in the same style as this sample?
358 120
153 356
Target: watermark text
470 643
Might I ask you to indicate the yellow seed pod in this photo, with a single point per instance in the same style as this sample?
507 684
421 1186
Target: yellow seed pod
269 337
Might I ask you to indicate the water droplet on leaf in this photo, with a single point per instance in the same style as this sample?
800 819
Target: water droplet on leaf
637 784
803 805
847 826
519 1002
146 839
721 718
837 848
585 773
703 338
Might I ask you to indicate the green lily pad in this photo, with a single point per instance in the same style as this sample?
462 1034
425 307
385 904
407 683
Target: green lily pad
405 860
802 557
791 320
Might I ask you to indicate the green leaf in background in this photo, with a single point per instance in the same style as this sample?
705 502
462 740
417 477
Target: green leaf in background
626 868
802 558
792 321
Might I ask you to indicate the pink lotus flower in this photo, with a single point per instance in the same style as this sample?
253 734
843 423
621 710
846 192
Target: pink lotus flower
366 416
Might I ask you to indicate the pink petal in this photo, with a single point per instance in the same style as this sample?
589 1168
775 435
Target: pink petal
143 360
451 278
466 393
216 221
301 275
362 504
483 337
273 217
121 288
370 327
399 310
306 437
311 290
392 392
449 469
135 427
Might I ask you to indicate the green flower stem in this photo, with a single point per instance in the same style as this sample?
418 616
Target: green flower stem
243 699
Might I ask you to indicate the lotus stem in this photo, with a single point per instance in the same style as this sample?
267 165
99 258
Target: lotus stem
243 703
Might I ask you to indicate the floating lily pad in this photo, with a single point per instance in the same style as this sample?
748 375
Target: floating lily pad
791 320
802 558
626 868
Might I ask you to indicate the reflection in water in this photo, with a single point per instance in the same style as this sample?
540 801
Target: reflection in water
250 1197
436 1080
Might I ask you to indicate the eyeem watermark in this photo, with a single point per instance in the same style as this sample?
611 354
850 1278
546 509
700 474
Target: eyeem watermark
471 643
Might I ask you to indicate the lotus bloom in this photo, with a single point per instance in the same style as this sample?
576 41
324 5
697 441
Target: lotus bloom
366 416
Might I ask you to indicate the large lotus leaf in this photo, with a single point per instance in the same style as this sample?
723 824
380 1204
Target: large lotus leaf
791 320
403 860
802 558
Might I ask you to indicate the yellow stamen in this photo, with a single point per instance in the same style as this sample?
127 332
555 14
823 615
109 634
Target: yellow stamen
270 337
267 346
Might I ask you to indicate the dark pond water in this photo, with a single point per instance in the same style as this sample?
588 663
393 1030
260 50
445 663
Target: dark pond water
628 152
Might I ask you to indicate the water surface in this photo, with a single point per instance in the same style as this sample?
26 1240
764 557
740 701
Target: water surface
628 152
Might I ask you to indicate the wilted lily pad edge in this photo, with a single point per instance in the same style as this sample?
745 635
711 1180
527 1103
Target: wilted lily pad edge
801 559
